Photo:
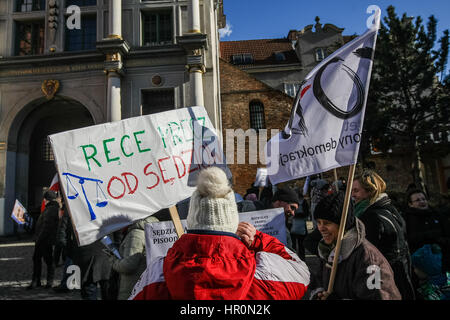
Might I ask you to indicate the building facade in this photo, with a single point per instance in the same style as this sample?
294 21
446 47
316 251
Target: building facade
250 105
67 64
282 64
259 80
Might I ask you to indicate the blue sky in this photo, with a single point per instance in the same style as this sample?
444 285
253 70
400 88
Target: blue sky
267 19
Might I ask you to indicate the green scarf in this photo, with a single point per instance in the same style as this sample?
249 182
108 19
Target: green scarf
360 207
326 249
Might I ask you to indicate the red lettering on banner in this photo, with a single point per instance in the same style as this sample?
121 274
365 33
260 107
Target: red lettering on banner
109 186
176 165
148 173
163 170
125 174
191 152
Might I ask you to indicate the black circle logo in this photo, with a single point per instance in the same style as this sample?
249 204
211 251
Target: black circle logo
327 103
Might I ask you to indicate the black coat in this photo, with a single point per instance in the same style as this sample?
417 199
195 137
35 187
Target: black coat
65 237
93 262
47 224
428 227
386 230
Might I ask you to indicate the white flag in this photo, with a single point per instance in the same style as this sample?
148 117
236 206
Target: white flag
324 131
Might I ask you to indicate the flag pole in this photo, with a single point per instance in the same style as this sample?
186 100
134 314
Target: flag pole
336 180
351 174
176 221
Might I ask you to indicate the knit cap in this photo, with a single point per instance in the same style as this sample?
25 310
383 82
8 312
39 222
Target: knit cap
287 195
330 208
213 205
50 195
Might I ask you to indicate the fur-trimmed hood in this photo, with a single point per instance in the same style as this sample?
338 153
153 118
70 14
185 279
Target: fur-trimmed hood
352 239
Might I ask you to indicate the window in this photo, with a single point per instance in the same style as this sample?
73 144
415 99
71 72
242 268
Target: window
291 89
29 38
156 28
279 56
46 151
257 115
245 58
30 5
83 38
320 54
154 101
81 3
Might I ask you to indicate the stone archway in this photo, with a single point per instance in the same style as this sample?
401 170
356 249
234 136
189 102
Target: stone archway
30 166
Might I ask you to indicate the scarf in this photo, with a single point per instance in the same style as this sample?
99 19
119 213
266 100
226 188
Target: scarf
360 207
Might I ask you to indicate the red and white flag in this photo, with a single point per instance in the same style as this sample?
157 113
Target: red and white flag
54 186
324 131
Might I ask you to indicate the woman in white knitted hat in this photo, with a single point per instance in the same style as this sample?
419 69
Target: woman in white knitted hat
220 258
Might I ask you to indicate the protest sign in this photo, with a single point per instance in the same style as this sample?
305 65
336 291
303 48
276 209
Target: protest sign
20 215
270 221
114 174
160 236
261 177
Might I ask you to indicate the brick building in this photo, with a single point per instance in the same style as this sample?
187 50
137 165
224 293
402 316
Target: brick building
260 78
256 73
249 103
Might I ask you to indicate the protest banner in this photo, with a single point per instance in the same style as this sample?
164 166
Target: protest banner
270 221
324 130
114 174
20 215
160 236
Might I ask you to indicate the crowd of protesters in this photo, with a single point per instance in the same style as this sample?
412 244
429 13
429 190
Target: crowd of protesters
388 251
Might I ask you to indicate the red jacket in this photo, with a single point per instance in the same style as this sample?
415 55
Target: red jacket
204 265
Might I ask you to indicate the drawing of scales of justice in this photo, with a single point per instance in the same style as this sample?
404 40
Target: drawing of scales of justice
72 192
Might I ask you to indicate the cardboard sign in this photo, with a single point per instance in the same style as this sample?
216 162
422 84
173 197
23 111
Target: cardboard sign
114 174
160 236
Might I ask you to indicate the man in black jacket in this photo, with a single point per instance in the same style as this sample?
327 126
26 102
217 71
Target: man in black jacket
46 227
425 225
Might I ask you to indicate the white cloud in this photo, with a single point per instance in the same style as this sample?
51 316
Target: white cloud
225 32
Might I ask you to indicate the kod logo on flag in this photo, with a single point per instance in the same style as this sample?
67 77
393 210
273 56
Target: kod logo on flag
324 131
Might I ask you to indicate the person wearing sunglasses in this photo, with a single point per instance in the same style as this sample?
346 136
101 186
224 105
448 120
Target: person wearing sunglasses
385 227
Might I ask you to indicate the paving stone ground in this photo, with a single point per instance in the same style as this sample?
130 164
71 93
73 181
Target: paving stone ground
16 270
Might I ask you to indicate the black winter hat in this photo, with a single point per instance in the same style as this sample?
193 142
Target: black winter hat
330 208
50 195
287 195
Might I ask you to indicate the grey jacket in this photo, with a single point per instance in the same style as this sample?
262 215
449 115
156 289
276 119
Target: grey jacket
133 263
356 276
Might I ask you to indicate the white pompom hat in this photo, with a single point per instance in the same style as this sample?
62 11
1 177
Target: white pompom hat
213 205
